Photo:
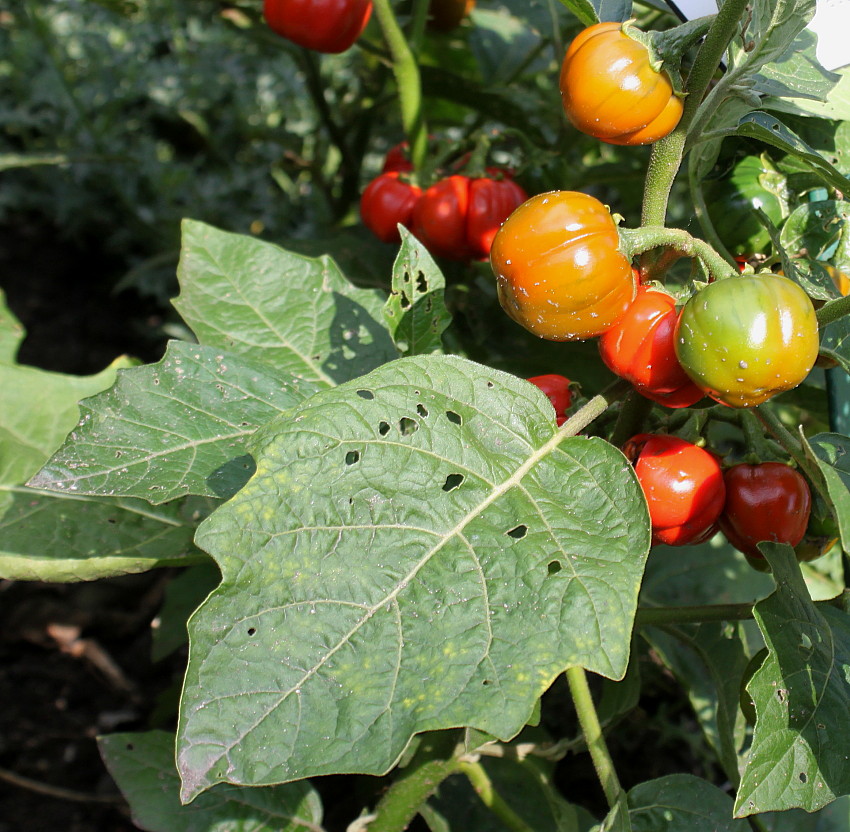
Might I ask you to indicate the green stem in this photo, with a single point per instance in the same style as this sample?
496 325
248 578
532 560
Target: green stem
667 616
433 762
638 240
793 447
483 786
592 730
833 310
594 408
667 154
406 72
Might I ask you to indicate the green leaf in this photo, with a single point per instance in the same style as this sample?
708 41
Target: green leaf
143 767
769 129
798 76
831 453
183 595
835 107
11 333
298 314
832 818
45 537
594 11
415 311
172 428
681 803
418 549
801 696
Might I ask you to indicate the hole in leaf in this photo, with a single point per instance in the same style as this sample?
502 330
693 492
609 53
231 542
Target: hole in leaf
366 394
407 426
452 482
454 418
252 631
489 384
351 501
554 567
803 778
421 283
131 747
486 682
422 410
383 428
518 532
352 457
405 301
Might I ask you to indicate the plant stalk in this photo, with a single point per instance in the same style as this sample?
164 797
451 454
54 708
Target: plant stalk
406 72
483 786
592 730
833 310
433 762
667 153
638 240
666 616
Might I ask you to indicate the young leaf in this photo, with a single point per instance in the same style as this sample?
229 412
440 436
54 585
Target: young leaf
419 549
297 314
415 311
172 428
143 767
796 75
801 696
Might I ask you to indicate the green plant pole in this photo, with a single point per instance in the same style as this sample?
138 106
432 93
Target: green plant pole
406 72
592 730
667 153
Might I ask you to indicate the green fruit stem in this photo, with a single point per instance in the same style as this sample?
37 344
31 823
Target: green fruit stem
667 153
592 730
639 240
483 786
406 72
671 616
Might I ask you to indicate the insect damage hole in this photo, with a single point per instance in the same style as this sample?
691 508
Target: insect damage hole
453 481
554 567
252 631
803 777
406 426
454 418
383 428
352 457
422 410
518 532
366 394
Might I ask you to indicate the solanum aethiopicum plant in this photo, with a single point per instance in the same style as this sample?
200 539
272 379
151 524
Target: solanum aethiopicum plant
398 159
742 340
766 501
387 201
557 389
458 216
683 485
640 348
329 26
559 270
611 91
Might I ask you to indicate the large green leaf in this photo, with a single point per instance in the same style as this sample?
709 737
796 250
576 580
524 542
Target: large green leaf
418 549
298 314
143 767
172 428
831 453
801 695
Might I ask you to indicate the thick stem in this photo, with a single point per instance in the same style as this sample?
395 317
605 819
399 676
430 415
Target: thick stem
406 72
483 786
638 240
833 310
592 730
434 761
667 154
594 408
667 616
631 419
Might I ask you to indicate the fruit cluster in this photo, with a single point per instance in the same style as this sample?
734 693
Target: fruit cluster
457 217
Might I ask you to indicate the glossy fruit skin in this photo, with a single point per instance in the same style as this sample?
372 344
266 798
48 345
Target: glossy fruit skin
744 339
730 202
683 485
640 348
610 90
387 201
329 26
557 388
445 15
398 159
559 270
765 501
458 216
